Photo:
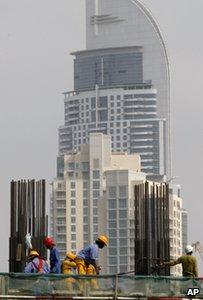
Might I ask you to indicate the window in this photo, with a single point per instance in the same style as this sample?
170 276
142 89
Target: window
72 185
112 192
102 102
113 242
122 232
85 202
102 115
95 212
113 260
85 185
96 174
95 202
112 233
122 214
72 193
85 219
85 228
73 211
96 185
93 102
112 214
73 246
112 97
71 165
95 228
73 219
112 224
122 191
85 194
118 97
96 194
73 228
122 223
73 237
123 269
112 203
123 260
123 242
112 251
85 210
85 166
73 202
95 220
112 111
123 251
118 138
113 270
93 116
122 203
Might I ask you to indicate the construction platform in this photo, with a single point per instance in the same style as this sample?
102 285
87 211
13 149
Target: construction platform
115 287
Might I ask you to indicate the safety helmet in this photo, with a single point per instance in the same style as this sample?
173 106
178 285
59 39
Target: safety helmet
188 249
48 241
103 239
70 255
33 253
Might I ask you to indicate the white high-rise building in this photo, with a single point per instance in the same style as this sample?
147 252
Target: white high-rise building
175 231
76 197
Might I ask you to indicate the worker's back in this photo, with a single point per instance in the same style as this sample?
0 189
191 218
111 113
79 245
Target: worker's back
189 265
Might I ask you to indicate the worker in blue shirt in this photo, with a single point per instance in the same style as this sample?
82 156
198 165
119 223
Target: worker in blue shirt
36 264
89 256
54 255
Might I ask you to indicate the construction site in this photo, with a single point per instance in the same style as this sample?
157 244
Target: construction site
147 280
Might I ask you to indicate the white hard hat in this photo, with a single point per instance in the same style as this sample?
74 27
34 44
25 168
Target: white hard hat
188 249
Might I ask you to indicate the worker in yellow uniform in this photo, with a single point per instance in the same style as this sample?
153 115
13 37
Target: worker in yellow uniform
86 259
188 261
67 267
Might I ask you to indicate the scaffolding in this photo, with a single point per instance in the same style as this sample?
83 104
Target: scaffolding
115 287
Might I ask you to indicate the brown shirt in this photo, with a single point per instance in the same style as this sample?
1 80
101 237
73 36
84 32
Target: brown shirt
189 265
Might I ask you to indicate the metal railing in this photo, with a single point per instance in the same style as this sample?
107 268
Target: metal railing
115 287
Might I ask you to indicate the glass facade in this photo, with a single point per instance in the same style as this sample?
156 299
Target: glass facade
107 69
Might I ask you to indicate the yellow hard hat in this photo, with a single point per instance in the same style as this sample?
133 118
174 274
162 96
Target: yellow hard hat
103 239
33 253
70 255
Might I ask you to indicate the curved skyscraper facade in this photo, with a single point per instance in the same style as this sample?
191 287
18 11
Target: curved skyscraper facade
125 55
118 23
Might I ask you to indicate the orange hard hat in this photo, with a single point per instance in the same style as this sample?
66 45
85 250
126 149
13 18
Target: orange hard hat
49 241
103 239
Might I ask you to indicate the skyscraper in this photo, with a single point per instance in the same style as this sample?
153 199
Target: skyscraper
121 85
121 88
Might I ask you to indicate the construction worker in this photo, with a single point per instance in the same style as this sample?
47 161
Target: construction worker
188 261
89 255
36 264
69 263
54 255
67 267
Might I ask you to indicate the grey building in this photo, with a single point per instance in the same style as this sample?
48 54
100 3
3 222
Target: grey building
121 86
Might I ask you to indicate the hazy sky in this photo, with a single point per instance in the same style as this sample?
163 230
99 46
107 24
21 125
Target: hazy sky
36 37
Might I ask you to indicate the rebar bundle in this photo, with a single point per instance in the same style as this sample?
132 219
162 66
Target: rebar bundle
27 215
151 228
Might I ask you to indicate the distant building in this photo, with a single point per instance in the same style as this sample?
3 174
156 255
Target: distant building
175 233
76 197
184 229
121 86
